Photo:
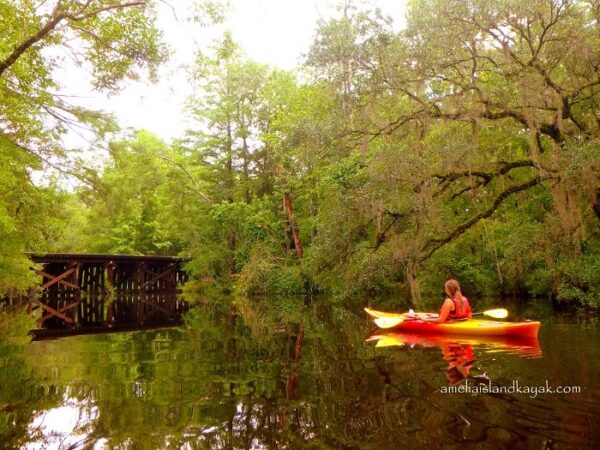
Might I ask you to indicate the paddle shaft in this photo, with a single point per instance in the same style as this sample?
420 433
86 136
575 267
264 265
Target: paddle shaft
461 319
498 313
387 320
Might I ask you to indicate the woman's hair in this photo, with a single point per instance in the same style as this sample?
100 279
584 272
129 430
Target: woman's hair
452 287
453 290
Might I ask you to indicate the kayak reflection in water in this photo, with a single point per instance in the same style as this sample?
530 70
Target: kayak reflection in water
458 351
456 306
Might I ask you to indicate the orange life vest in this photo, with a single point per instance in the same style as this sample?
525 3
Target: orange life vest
466 309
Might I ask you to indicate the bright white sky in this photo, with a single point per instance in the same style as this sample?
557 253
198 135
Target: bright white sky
274 32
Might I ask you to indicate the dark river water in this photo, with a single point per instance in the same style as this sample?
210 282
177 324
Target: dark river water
311 380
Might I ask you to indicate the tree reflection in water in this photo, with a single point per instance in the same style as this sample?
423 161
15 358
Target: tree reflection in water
241 378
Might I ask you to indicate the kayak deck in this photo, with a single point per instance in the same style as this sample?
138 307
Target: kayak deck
471 327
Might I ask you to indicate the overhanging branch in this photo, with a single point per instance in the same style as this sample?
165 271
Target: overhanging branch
483 177
56 17
433 245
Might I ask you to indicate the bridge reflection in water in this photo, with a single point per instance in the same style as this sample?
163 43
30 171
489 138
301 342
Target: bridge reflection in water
85 292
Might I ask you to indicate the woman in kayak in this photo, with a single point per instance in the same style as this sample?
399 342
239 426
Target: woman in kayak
456 306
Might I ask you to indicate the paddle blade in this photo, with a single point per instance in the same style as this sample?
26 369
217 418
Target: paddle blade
388 322
385 340
389 341
499 313
375 314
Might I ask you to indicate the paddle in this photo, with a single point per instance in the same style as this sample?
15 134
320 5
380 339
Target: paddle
391 320
498 313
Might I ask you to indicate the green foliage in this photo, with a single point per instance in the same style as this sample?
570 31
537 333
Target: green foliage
125 216
115 41
267 274
580 280
15 326
465 145
31 217
445 183
457 261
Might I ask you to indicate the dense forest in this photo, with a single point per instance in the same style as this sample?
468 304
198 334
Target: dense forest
465 145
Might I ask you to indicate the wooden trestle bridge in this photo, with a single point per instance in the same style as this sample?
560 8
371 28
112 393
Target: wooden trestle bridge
79 291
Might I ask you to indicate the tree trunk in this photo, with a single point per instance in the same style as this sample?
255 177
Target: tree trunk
246 156
289 210
411 276
229 162
597 204
292 381
231 245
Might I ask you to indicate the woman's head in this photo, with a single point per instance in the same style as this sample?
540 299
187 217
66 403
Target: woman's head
452 287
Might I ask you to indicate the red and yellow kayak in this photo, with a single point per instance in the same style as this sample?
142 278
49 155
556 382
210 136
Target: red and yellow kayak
471 327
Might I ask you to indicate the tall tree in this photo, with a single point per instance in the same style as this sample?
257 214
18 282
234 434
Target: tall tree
474 105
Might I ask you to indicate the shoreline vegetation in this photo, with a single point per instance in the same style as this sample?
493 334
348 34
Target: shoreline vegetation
466 145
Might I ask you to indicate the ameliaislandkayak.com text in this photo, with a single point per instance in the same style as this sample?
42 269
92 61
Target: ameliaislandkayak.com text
514 388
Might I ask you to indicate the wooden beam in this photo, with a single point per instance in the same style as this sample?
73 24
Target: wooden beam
54 312
57 279
158 277
125 272
154 305
151 272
